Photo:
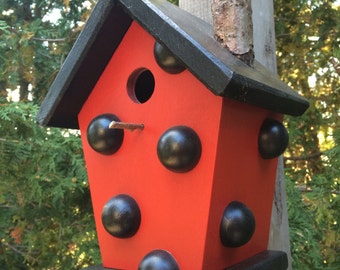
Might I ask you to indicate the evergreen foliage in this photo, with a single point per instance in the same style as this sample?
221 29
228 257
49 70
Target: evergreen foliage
46 217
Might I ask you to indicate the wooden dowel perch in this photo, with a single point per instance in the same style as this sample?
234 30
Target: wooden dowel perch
233 27
128 126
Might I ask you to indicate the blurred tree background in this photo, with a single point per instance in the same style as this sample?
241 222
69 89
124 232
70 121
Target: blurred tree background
308 54
45 209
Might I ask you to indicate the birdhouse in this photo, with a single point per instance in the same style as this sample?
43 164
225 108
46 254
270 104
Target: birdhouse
180 138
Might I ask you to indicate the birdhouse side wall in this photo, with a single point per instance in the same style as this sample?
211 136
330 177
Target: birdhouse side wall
241 175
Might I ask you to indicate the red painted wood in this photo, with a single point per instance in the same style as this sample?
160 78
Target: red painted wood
180 211
240 174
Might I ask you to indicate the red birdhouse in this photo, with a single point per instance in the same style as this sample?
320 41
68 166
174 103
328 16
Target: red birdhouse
181 139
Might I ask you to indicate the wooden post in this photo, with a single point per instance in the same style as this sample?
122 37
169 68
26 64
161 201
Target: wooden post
264 48
199 8
265 53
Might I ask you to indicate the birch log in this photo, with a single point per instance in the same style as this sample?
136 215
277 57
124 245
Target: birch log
264 48
233 27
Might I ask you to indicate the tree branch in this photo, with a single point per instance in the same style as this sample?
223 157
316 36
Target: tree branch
40 39
336 64
306 157
305 189
49 39
18 251
9 140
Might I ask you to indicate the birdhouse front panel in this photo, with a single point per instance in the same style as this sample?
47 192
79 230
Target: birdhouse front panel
179 210
174 203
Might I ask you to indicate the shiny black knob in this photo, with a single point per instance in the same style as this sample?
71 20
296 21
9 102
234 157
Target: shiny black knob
121 216
237 225
158 260
103 139
179 149
273 139
166 60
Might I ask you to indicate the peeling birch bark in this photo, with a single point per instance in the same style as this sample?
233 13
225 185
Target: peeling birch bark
233 27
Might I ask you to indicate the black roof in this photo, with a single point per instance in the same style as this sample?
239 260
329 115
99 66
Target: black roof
214 66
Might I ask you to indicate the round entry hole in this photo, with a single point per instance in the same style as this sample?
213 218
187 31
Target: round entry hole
141 85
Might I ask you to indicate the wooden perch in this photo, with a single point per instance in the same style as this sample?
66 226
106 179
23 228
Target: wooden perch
128 126
233 27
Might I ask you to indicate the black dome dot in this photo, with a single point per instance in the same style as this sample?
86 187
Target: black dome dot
158 260
166 60
101 138
179 149
273 139
121 216
237 225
